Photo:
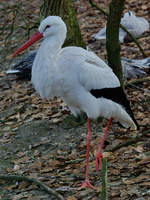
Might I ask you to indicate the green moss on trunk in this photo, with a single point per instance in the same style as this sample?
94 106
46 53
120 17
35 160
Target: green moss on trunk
112 42
65 9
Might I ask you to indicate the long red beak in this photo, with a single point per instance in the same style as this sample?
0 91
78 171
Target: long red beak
37 36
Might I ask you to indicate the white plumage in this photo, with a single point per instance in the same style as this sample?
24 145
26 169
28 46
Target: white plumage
82 79
135 25
71 73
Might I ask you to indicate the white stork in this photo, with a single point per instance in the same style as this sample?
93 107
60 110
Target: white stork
85 82
137 26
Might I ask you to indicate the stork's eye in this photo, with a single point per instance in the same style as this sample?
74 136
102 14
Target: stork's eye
48 26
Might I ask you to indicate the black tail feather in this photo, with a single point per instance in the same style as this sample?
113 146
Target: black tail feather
117 95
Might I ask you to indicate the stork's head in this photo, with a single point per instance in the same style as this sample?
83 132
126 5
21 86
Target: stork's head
52 26
129 14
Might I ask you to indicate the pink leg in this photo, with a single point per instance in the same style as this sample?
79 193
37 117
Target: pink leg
99 155
87 183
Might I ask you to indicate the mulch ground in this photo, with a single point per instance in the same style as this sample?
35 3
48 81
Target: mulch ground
60 163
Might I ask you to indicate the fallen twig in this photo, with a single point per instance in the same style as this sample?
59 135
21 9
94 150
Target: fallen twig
131 141
137 81
93 4
32 180
138 88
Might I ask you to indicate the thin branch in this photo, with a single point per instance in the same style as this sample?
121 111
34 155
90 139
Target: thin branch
12 26
134 39
93 4
104 194
32 180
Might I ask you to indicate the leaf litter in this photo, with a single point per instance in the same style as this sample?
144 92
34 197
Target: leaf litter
57 157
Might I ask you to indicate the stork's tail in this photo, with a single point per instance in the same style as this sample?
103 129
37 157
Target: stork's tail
24 74
22 68
118 96
130 123
126 104
13 71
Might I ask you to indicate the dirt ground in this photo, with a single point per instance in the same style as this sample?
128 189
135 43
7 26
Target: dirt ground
42 140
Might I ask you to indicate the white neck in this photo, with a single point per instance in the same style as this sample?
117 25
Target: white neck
52 45
45 67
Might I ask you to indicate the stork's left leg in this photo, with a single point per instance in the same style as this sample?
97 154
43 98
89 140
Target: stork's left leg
99 155
87 183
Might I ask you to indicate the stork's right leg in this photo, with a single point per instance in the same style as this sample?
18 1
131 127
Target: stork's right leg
99 155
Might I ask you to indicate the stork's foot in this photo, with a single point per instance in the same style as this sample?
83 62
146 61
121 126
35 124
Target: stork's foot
86 184
99 158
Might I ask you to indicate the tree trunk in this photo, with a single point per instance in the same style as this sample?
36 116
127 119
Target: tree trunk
112 40
65 9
